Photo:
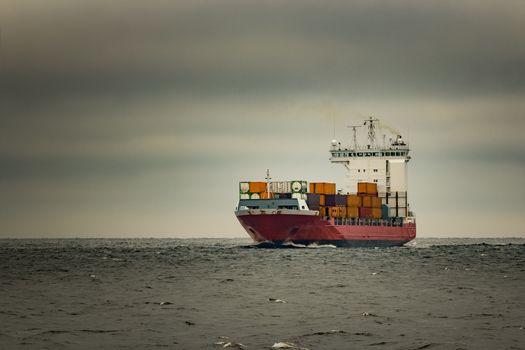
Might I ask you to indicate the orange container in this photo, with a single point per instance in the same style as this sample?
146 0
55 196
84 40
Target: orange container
353 200
266 195
319 187
376 202
257 186
312 187
376 213
322 200
337 212
361 187
323 211
329 188
352 212
367 201
371 188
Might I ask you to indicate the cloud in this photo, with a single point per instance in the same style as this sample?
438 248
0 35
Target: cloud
114 111
208 47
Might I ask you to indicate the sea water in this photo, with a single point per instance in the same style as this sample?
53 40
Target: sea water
224 293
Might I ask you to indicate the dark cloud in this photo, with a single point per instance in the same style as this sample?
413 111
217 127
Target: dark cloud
361 46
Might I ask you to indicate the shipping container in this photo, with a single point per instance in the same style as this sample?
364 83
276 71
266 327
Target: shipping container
352 212
337 212
299 186
329 188
266 195
376 202
313 201
256 187
398 212
323 211
361 188
371 188
322 199
244 196
366 201
353 200
299 196
318 187
333 200
384 212
322 188
244 187
255 196
281 186
376 213
365 212
392 201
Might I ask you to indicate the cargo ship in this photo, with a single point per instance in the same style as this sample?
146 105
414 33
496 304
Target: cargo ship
372 210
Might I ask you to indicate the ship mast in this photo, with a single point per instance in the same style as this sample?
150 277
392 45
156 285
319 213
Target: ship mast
354 133
371 131
268 178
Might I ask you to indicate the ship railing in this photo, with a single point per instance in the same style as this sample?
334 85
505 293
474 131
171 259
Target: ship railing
392 222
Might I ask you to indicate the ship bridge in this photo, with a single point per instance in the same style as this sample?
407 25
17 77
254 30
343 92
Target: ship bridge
382 160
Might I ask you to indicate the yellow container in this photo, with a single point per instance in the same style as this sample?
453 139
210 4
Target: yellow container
322 199
352 212
371 188
329 188
366 201
353 200
361 187
257 187
376 202
337 212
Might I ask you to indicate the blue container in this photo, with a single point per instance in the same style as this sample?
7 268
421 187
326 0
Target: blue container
384 211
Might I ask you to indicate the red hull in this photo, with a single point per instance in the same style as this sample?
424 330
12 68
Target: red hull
305 229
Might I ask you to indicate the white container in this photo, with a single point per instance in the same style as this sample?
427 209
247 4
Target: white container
280 187
244 196
255 196
244 187
401 212
296 186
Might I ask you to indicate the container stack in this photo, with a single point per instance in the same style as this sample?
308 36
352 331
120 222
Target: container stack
278 189
317 196
396 202
323 197
252 190
370 201
365 204
353 203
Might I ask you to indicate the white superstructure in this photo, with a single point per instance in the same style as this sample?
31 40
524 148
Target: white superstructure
382 160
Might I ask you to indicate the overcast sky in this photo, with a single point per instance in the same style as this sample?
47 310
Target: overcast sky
139 118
